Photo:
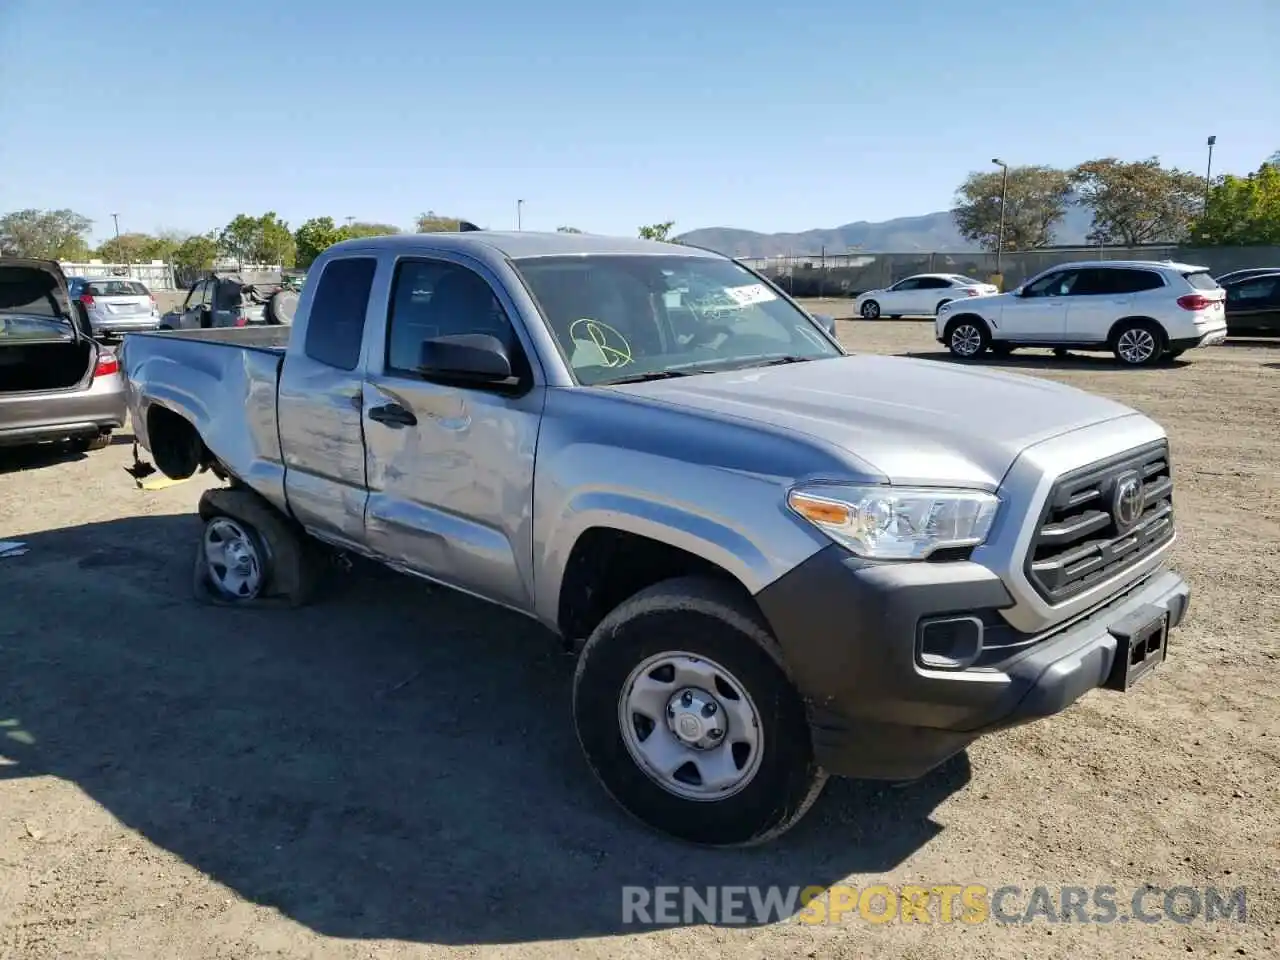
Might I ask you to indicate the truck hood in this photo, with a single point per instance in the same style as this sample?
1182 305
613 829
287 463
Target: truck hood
911 421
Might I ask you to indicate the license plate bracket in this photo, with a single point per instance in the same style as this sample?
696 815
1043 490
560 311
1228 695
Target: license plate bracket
1142 644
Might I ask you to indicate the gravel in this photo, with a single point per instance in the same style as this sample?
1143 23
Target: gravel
392 772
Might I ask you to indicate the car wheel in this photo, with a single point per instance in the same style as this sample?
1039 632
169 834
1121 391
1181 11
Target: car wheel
938 308
1137 343
870 310
688 720
967 339
250 552
85 444
1061 352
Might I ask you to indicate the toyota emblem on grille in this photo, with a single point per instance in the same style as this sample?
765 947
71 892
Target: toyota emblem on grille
1127 501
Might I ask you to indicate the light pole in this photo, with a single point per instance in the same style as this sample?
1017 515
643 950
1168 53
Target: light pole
1004 192
1208 171
519 211
349 220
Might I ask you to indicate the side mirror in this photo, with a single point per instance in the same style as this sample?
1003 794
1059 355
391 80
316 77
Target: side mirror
467 357
826 322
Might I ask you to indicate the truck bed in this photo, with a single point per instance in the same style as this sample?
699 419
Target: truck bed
221 381
264 337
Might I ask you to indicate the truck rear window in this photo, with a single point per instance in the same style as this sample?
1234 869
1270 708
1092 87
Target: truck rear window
115 288
1201 281
335 326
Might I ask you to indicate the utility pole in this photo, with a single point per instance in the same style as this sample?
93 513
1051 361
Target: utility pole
519 217
1208 172
350 220
1004 193
116 219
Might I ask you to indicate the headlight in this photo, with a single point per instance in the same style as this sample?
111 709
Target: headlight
896 523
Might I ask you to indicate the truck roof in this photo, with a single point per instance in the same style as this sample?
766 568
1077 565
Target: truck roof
524 244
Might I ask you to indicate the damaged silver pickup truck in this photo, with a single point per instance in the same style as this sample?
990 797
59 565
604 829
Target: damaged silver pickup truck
774 559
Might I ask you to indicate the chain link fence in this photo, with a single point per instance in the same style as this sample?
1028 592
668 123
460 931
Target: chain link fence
849 274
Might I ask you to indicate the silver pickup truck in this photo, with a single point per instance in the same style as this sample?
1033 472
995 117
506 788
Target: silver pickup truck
774 559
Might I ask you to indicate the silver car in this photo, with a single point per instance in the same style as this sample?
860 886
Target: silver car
56 381
115 305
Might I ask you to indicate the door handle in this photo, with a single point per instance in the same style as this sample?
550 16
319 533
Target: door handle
393 415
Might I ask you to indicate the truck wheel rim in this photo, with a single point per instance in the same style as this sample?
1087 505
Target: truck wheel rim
231 556
965 340
1137 345
691 726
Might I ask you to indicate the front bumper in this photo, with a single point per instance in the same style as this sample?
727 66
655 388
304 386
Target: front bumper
848 631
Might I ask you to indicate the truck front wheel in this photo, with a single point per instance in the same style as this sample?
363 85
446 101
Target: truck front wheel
688 719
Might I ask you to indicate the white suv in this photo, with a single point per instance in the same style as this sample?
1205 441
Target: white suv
1140 310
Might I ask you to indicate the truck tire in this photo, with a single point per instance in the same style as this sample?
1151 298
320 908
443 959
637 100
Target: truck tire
249 553
734 764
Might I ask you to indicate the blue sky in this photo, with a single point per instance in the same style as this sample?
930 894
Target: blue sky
606 116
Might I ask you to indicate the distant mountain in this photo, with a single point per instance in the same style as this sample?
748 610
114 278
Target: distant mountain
933 233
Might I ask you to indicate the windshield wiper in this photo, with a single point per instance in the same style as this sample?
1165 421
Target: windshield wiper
779 361
654 375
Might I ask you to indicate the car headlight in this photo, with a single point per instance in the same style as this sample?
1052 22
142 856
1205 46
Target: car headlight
896 523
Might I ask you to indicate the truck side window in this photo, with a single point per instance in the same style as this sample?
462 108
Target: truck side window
435 298
335 325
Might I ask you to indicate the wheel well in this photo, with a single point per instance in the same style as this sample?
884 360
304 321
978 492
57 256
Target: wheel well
1144 321
971 317
607 566
175 443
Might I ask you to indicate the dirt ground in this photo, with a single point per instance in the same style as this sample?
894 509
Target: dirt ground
392 772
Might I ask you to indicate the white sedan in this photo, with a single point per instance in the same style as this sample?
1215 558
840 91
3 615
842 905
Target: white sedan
920 295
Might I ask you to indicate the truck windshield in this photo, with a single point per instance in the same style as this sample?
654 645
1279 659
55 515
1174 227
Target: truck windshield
618 317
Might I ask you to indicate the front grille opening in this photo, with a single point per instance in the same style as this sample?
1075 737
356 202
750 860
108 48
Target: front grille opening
1092 529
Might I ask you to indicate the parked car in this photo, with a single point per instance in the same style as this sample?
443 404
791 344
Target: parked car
112 306
1235 275
1253 305
1142 311
920 296
226 299
56 381
774 560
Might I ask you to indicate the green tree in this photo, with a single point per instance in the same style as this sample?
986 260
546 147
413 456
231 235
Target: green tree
567 230
1137 202
361 229
131 248
197 252
432 222
45 234
658 231
166 243
1242 211
314 237
1035 201
264 239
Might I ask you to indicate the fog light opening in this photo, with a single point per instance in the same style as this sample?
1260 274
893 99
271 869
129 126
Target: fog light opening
950 643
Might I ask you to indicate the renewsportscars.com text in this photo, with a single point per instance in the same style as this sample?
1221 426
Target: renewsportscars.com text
938 903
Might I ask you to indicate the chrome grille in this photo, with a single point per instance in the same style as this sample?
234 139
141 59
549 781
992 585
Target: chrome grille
1095 523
